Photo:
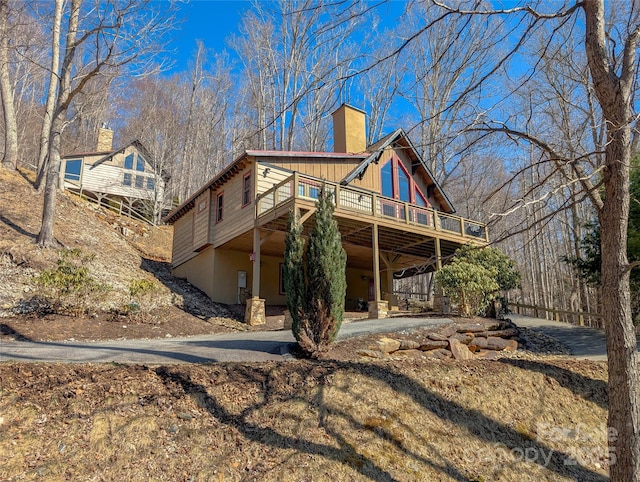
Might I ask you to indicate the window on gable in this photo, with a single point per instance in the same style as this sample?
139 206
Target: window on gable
72 170
139 182
396 183
151 183
219 207
128 162
140 163
404 185
246 189
126 181
387 179
420 199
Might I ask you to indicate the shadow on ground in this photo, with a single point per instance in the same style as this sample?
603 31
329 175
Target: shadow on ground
339 424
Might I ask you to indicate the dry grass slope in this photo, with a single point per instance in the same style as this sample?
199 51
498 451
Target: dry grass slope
121 250
317 421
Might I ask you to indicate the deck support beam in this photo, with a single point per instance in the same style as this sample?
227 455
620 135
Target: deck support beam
377 308
254 314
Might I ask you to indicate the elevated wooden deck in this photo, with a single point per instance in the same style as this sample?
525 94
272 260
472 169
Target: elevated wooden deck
405 230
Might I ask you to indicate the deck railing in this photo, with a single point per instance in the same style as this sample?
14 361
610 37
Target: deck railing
356 200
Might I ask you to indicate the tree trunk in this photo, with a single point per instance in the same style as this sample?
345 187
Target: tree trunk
46 237
51 93
10 158
624 400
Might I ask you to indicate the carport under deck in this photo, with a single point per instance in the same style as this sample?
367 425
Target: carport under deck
378 233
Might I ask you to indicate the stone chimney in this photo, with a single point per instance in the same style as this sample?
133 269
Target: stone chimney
105 139
349 132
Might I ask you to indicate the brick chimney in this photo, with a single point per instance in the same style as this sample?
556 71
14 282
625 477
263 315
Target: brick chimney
105 139
349 132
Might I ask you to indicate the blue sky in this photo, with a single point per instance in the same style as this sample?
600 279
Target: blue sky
211 21
214 21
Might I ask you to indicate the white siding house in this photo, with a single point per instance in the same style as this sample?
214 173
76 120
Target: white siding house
126 175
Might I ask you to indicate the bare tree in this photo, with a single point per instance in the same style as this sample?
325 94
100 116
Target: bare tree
612 65
10 157
108 40
52 90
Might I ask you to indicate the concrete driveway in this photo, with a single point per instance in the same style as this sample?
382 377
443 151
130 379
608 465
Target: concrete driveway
583 342
253 346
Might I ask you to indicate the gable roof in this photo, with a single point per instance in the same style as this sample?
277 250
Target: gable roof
376 150
238 164
106 155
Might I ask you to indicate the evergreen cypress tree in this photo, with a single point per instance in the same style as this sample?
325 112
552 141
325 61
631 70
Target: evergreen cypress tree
293 272
316 283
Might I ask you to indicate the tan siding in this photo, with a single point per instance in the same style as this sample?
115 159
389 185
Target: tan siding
183 239
236 219
332 170
199 271
273 177
201 221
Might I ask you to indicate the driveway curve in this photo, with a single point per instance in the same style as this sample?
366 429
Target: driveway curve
584 342
255 346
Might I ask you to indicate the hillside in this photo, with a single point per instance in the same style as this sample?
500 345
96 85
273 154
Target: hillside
119 251
417 420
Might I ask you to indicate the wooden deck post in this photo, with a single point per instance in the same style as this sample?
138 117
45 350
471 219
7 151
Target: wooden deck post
255 285
376 264
254 314
438 255
377 308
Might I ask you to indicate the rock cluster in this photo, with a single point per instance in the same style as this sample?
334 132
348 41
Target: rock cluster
461 341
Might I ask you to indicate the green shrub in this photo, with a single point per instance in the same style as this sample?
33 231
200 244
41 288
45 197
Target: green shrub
475 276
142 294
69 288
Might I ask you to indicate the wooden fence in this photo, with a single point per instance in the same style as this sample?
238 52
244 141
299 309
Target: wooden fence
116 205
581 318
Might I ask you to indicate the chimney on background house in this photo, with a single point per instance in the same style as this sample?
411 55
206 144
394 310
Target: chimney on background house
349 132
105 139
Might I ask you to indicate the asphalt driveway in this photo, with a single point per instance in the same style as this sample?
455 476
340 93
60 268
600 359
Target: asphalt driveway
584 342
230 347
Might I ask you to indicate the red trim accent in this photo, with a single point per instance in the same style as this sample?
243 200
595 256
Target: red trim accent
419 193
409 178
247 175
219 207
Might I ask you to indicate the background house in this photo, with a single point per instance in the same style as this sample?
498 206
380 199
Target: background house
125 177
393 216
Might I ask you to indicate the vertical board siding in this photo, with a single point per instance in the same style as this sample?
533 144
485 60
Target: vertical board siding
183 239
201 221
271 178
236 219
333 170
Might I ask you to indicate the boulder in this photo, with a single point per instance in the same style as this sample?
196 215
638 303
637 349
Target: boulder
409 345
471 328
447 331
459 350
494 343
388 345
438 337
438 353
506 333
433 345
478 343
464 338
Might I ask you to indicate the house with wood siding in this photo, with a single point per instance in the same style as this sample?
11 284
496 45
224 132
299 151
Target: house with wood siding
126 176
393 216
